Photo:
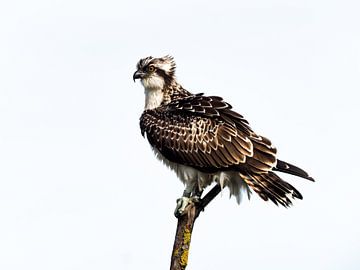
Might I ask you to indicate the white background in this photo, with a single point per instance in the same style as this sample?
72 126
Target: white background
79 186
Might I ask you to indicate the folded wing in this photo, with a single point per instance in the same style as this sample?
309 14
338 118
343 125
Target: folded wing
203 132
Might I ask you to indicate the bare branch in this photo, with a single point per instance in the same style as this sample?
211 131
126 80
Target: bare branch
180 253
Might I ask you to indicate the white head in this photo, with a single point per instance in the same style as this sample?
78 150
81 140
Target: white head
155 74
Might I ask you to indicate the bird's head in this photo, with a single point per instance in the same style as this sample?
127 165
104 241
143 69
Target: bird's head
155 73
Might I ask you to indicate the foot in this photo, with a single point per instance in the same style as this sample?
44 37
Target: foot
182 203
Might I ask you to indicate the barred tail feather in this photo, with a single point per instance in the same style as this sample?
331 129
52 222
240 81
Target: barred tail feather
285 167
270 186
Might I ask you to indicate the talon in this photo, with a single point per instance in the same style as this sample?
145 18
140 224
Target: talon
195 199
183 202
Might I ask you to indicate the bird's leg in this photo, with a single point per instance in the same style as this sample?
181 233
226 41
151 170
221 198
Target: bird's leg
182 202
191 195
196 194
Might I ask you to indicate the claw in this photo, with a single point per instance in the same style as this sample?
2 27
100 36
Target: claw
182 203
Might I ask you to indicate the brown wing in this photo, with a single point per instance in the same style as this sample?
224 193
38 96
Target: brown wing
203 132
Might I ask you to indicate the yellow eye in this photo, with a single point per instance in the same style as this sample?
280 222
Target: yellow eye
151 68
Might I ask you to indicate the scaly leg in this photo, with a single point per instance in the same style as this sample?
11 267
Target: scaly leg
191 195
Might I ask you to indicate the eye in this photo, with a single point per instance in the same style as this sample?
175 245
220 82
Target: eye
151 68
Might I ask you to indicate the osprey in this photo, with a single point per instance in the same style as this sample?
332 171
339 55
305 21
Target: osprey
204 141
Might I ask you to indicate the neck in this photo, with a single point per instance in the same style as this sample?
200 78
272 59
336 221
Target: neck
153 98
156 96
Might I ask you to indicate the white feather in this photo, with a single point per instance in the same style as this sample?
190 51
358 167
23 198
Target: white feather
165 66
153 82
153 99
153 91
192 177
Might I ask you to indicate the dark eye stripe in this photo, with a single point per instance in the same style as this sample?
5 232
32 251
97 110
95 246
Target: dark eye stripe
161 72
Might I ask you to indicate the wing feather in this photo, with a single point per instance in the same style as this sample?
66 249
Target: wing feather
203 132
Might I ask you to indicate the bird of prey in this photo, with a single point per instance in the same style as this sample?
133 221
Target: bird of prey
204 141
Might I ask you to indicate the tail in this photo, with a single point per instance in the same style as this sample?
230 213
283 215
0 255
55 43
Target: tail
285 167
271 186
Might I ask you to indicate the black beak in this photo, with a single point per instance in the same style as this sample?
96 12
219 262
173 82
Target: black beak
138 75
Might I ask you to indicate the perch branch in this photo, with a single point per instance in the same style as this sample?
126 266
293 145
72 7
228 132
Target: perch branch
180 253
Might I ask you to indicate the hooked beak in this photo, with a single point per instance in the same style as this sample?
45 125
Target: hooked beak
138 75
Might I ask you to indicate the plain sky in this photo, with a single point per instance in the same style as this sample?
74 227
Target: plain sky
81 189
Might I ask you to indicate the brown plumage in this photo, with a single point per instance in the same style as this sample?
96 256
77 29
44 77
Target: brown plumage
204 133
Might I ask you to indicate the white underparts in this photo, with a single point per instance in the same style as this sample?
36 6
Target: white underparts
153 91
192 177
